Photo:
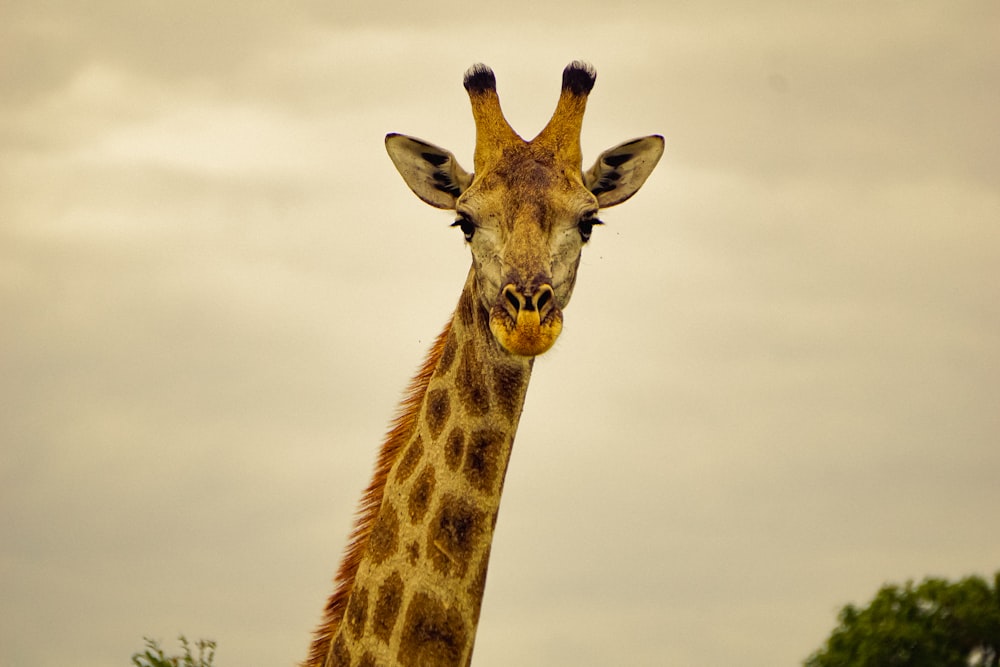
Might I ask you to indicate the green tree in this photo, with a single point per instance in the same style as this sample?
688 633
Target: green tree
153 656
934 624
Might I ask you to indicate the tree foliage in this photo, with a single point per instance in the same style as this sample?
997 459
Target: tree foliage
933 624
154 656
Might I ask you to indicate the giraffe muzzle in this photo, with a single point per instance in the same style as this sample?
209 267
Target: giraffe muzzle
526 322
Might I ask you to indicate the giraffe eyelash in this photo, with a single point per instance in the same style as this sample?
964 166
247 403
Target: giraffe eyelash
586 226
467 225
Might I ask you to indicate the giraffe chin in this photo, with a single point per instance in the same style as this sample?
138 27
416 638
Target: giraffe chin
528 336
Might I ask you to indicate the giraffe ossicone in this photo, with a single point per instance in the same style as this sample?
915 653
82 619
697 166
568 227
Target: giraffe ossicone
410 586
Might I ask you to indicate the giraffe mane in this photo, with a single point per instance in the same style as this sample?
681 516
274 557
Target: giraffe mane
400 430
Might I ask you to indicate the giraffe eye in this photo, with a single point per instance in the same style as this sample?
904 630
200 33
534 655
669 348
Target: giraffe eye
467 225
586 226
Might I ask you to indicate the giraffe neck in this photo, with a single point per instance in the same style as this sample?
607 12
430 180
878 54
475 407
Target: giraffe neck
411 585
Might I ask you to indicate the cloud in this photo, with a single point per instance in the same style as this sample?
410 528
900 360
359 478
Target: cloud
776 388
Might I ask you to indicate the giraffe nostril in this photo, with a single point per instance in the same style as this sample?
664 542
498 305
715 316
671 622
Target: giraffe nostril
519 301
544 296
512 298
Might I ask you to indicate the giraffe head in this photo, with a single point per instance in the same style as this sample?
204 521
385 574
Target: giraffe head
528 207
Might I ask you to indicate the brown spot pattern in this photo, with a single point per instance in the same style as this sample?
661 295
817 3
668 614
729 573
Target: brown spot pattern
414 552
478 584
432 634
483 463
384 537
390 599
466 309
368 660
357 612
507 382
447 354
420 495
410 458
454 448
341 654
453 534
437 410
472 389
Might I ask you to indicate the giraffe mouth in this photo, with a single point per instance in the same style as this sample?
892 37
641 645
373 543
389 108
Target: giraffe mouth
526 324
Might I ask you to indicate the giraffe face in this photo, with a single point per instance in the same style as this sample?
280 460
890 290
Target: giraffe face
526 221
529 208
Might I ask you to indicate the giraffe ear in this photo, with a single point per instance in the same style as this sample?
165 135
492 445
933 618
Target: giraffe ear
620 171
432 173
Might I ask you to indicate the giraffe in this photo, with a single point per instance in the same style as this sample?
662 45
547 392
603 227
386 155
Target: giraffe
410 586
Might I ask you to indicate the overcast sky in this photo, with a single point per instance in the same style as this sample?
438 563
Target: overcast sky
778 385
